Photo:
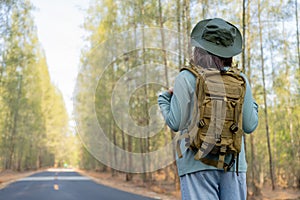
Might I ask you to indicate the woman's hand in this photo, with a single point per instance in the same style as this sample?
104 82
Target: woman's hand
170 90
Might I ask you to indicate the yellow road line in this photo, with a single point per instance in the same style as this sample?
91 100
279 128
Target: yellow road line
55 186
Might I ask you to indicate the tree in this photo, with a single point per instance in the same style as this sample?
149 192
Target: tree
297 32
28 130
265 97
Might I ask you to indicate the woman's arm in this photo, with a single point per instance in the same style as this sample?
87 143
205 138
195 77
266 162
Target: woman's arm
250 110
176 107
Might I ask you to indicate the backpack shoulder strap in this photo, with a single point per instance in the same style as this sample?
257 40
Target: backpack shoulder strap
235 70
199 81
201 74
236 73
198 73
191 69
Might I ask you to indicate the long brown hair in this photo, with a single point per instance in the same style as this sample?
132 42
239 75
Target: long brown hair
207 60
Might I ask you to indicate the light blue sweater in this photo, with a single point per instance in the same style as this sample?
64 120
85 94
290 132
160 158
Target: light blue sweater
177 110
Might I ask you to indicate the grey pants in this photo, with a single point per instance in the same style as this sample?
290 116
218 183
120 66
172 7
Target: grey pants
213 185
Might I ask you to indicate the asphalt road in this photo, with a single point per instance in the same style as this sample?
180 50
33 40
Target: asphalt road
62 186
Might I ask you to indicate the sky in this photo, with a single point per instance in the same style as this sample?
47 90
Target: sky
59 29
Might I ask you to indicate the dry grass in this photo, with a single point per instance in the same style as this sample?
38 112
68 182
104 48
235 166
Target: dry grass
279 194
9 176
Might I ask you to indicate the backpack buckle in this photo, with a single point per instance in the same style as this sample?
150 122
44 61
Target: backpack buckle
231 163
234 128
218 137
201 123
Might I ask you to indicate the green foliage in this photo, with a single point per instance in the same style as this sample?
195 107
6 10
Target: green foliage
282 76
34 123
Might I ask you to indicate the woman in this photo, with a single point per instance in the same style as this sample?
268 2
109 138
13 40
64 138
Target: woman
215 42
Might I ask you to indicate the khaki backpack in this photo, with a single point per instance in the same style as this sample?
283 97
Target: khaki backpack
217 125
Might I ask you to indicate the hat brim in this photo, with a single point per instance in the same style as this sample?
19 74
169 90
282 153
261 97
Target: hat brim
219 50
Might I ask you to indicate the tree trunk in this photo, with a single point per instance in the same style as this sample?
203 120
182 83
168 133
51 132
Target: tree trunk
129 139
145 147
244 38
265 98
186 21
297 32
115 147
129 148
112 150
188 27
161 24
14 125
178 14
204 8
254 184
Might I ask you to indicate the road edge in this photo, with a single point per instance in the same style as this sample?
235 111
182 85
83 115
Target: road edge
16 176
133 189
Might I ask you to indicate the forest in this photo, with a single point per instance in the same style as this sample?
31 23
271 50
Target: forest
134 50
34 123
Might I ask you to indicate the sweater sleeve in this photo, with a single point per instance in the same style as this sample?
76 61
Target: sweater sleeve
171 116
176 108
250 110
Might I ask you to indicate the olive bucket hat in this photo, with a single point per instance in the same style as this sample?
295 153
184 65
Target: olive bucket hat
218 37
